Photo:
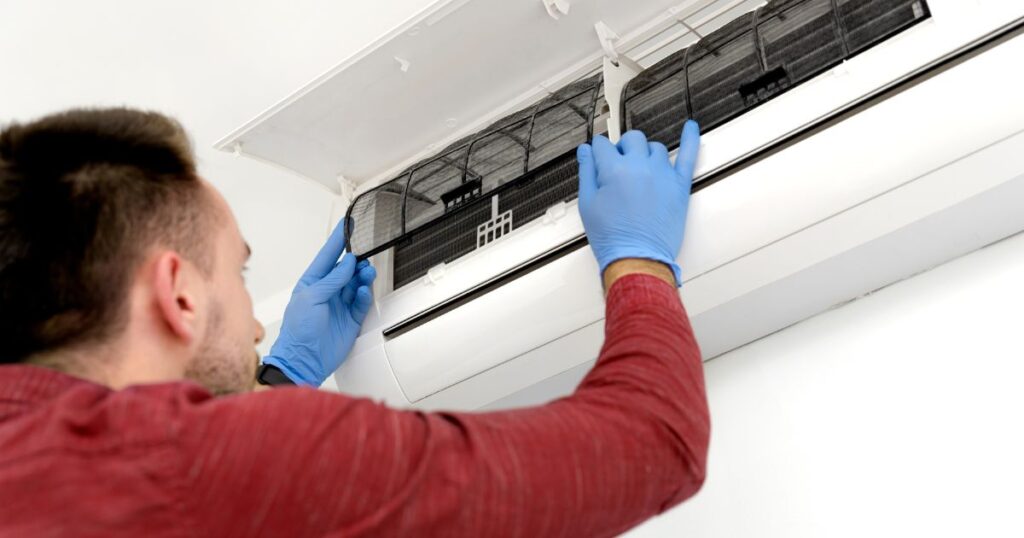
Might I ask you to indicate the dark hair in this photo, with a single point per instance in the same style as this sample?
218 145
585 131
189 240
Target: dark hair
84 194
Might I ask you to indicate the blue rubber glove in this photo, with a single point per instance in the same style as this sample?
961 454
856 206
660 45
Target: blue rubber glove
324 315
633 201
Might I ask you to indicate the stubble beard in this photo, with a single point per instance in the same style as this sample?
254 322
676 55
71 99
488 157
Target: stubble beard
216 366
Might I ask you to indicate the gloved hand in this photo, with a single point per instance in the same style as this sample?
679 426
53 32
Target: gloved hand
633 201
324 315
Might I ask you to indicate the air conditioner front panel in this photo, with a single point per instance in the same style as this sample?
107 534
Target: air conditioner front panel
521 315
480 266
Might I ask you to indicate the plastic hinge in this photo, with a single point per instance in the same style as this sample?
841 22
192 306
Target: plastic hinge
556 8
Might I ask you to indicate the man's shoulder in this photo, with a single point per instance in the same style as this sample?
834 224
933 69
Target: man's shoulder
49 412
90 418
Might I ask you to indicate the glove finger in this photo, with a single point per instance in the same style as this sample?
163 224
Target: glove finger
588 173
659 152
689 145
634 143
367 275
605 154
348 294
361 304
328 256
364 276
333 283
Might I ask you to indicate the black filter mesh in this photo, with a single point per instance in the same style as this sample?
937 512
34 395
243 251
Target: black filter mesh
660 109
868 22
556 182
800 37
376 216
717 67
468 172
756 58
454 235
444 240
429 183
561 128
501 156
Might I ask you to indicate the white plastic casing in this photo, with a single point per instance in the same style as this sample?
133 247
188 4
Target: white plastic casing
900 187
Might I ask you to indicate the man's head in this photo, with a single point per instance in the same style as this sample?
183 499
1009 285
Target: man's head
117 262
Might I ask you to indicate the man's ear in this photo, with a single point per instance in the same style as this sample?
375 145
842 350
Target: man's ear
174 285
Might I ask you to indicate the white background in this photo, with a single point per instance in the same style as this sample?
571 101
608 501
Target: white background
899 414
212 64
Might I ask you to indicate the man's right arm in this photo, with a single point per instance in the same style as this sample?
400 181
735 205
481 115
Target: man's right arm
629 443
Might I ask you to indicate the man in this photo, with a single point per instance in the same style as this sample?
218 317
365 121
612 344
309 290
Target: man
125 312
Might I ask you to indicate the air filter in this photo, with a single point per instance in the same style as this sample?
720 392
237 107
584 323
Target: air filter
430 213
757 57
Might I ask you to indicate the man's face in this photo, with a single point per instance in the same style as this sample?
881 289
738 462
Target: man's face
227 359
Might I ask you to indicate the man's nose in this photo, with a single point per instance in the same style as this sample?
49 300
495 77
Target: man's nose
261 333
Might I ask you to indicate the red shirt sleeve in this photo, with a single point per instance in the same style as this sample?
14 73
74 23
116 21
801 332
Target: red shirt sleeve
628 444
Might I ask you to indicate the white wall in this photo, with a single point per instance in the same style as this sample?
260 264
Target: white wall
899 414
213 65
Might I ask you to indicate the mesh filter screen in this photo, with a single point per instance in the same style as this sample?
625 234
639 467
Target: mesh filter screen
443 240
454 235
559 129
658 100
717 66
661 108
501 156
756 58
866 22
801 37
470 171
557 182
423 199
376 216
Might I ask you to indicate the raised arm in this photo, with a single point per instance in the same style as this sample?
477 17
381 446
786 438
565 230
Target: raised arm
629 443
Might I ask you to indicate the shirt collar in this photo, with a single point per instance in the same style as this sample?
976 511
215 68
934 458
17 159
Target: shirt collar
23 385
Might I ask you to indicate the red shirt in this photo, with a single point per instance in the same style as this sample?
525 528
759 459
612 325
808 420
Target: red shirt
79 459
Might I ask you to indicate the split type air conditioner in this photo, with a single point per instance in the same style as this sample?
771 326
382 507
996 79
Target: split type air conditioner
848 144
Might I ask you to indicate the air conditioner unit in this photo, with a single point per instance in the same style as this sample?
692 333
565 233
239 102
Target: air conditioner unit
848 144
